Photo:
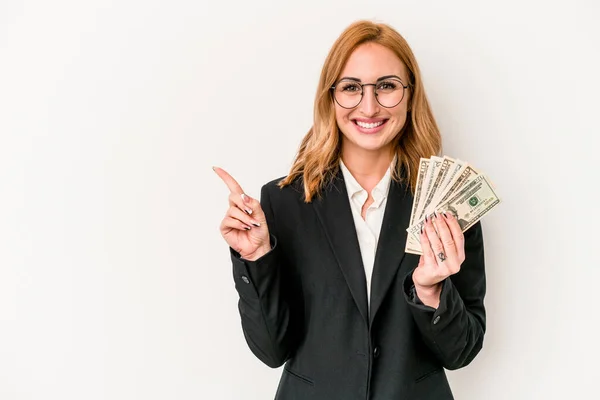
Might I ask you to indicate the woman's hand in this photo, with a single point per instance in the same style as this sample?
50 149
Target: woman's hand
244 227
443 245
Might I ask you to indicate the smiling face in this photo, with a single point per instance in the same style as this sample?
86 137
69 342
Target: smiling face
369 126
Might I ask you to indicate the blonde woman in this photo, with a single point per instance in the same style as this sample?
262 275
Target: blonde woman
324 283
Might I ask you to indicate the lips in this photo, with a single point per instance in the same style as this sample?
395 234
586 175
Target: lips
369 125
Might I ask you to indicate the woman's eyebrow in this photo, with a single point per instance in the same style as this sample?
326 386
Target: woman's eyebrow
388 77
350 78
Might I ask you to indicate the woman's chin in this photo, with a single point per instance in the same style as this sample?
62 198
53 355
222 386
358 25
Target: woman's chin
369 145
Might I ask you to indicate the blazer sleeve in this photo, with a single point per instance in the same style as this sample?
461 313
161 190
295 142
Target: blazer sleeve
263 304
455 330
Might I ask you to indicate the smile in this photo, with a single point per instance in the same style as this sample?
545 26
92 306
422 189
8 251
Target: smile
369 127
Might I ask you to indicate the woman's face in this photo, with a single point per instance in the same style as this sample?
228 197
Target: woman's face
370 126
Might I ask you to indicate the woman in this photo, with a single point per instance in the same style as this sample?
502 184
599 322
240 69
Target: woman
319 264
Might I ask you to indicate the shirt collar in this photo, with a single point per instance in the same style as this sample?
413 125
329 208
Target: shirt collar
380 191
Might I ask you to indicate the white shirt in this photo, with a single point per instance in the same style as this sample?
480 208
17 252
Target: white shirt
367 229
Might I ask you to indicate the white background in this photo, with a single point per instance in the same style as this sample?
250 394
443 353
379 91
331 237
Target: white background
114 280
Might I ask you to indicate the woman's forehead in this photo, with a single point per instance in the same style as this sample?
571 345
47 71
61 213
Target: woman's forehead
371 61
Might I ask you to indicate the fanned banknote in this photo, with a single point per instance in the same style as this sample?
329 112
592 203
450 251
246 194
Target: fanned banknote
449 185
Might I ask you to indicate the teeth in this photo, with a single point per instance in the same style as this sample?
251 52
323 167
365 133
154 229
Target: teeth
369 125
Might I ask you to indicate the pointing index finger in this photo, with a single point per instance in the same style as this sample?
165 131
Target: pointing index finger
231 183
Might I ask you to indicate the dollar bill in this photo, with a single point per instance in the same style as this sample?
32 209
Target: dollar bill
447 186
434 164
438 174
456 167
468 205
423 165
466 175
412 245
439 181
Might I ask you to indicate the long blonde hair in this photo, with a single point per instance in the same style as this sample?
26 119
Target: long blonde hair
317 159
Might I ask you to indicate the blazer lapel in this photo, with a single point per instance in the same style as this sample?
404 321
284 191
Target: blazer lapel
392 240
333 210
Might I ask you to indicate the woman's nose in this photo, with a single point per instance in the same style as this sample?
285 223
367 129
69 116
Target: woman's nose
369 105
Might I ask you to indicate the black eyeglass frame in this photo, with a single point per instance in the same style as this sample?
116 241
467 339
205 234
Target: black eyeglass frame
362 92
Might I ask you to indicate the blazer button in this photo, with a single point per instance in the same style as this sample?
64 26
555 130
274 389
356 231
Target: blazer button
245 279
436 320
376 352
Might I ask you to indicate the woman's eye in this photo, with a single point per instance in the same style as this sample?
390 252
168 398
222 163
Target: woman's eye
350 88
387 86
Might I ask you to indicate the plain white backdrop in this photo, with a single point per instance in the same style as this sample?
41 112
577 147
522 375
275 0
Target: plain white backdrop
114 280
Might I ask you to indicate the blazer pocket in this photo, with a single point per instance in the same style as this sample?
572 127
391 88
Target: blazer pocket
301 378
428 374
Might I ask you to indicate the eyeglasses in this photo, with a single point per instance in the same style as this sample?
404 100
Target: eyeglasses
389 92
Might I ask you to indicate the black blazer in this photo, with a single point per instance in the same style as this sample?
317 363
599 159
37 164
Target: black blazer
305 303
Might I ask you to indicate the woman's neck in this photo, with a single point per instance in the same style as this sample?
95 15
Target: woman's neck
367 167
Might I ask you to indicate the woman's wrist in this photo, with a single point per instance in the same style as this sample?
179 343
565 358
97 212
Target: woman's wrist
261 251
429 295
